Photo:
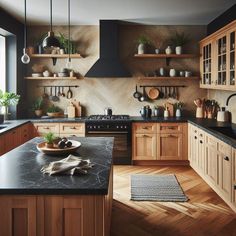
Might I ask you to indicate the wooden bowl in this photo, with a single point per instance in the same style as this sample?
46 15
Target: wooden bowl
54 114
57 151
153 93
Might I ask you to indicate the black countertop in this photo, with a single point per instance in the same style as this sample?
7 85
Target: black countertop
20 170
11 124
158 119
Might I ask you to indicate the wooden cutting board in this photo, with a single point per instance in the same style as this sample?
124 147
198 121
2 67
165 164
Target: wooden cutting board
78 108
170 108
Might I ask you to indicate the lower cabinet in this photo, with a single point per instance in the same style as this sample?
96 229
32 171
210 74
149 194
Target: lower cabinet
144 147
214 161
159 142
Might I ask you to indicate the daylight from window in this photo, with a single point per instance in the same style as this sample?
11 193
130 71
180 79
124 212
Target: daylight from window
2 63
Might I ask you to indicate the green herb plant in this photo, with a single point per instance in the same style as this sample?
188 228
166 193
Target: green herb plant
142 39
49 138
67 44
53 109
38 104
180 39
8 99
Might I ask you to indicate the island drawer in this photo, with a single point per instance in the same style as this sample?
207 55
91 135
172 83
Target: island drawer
144 128
44 128
72 128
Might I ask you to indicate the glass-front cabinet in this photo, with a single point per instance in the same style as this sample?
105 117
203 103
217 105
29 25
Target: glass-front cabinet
218 59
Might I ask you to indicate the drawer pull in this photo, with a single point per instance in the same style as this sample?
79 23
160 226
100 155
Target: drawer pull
170 127
144 127
73 127
45 127
226 158
171 136
145 135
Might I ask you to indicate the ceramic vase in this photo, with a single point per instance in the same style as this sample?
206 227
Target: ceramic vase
178 50
178 112
166 113
172 73
141 48
168 50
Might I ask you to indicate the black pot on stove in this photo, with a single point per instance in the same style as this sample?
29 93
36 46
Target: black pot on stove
108 111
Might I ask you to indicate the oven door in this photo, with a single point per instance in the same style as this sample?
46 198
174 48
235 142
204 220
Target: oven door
122 145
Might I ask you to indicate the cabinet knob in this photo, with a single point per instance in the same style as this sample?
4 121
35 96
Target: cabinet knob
195 137
226 158
234 187
201 142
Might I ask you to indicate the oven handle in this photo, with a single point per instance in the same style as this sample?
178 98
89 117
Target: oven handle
107 132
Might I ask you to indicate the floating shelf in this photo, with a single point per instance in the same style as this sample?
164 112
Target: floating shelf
55 56
167 57
170 78
51 78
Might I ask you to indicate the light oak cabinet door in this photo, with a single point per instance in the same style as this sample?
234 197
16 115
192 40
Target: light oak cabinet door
144 146
193 143
201 152
19 216
44 128
169 146
234 178
145 128
72 129
70 215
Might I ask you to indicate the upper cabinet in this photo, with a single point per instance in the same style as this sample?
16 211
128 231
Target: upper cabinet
217 60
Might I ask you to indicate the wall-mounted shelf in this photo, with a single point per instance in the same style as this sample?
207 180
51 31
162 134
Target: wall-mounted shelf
167 57
54 57
170 78
51 78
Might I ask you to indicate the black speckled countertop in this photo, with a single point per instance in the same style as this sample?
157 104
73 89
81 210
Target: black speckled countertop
158 119
20 170
11 124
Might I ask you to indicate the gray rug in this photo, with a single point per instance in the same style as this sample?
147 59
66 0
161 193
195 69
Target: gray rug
164 188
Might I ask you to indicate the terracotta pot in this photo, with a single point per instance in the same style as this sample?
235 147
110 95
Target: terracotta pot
38 113
49 145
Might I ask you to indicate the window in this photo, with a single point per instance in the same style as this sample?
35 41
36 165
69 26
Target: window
2 63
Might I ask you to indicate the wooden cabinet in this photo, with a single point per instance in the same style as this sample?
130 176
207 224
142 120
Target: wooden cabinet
2 144
170 147
159 142
18 215
60 129
144 147
218 59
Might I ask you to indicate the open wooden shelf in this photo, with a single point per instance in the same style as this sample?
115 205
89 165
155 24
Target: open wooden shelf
55 56
170 78
51 78
165 55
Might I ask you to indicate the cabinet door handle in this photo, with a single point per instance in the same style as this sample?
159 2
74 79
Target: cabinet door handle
195 137
145 135
226 158
46 127
201 142
72 127
144 127
234 187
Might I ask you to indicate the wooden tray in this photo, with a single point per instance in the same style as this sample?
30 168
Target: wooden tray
57 151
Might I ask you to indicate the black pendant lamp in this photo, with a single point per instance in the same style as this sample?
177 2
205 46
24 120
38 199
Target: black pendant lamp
50 40
68 64
25 58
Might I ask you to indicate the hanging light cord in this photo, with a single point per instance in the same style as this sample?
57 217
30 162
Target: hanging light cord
51 15
69 44
25 29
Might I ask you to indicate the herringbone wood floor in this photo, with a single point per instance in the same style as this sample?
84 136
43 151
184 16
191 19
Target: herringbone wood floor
205 214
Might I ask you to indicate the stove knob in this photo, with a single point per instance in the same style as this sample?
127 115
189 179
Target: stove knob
94 127
98 126
121 126
125 127
117 126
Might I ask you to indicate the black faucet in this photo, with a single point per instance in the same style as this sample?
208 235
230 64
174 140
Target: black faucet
227 101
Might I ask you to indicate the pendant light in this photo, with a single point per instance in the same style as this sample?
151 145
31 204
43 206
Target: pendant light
68 64
50 40
25 58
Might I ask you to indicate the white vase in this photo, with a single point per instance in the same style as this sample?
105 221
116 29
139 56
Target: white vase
141 48
178 50
168 50
5 112
172 73
166 113
178 112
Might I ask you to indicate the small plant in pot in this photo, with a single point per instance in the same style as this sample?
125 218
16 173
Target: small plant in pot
54 111
143 42
178 41
178 108
38 106
49 139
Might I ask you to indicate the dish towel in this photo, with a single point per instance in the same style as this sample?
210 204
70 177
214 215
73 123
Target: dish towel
68 166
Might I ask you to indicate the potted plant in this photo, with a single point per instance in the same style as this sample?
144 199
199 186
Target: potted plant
178 41
178 108
38 106
53 111
8 99
142 42
49 139
66 44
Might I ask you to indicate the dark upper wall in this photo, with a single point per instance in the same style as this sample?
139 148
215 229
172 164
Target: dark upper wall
222 20
14 41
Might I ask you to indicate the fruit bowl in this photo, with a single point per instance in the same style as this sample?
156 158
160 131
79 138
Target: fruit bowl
58 151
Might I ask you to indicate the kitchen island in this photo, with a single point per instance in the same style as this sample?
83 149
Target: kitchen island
32 203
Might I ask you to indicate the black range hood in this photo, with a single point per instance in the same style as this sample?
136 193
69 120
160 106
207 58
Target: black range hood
108 64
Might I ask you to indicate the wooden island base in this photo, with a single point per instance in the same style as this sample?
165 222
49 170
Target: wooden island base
60 215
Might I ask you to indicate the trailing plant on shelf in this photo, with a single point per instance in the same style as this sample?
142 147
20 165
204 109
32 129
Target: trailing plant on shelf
143 42
8 99
179 40
38 106
67 44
